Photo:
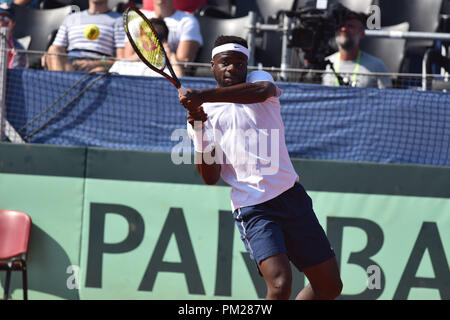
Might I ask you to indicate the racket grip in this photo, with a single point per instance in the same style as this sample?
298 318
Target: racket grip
182 90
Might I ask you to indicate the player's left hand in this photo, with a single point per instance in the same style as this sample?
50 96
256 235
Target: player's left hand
196 115
192 99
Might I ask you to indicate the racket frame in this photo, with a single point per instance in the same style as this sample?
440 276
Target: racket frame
173 78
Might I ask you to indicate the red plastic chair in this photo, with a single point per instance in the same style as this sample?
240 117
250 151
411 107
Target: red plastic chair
15 229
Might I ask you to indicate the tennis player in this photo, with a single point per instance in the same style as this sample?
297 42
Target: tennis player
238 125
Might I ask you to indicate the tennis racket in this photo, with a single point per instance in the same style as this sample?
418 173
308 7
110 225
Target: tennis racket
148 46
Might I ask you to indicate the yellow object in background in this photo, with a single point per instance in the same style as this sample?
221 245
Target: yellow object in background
91 32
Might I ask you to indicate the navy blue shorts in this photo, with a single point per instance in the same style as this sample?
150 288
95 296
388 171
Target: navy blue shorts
286 224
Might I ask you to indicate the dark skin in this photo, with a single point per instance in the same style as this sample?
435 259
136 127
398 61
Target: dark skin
230 71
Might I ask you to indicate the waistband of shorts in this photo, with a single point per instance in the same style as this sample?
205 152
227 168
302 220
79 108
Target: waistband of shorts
296 184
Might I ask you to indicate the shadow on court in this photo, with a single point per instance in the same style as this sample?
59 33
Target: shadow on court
46 265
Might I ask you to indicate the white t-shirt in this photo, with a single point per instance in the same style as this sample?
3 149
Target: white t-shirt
182 27
367 65
255 160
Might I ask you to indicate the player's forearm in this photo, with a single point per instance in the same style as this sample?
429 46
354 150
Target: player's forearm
210 173
244 93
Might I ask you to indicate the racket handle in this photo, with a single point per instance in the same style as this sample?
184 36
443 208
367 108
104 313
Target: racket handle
182 90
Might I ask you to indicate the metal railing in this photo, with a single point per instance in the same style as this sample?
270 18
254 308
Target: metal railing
3 68
282 73
288 23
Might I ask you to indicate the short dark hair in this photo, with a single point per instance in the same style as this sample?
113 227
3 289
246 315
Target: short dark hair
160 28
230 39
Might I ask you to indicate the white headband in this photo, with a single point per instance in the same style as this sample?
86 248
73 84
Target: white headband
230 47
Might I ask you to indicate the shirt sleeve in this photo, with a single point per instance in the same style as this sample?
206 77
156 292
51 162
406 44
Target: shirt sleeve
383 81
261 75
119 34
62 38
190 30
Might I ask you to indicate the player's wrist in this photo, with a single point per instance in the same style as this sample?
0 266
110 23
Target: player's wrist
200 144
197 125
193 119
198 140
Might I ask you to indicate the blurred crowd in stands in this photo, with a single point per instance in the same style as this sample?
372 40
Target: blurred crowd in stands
92 38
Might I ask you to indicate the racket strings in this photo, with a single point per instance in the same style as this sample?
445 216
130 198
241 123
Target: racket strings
152 48
146 40
147 45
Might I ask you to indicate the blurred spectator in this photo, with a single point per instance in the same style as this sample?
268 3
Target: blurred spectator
28 3
182 5
350 60
7 19
184 34
137 67
91 38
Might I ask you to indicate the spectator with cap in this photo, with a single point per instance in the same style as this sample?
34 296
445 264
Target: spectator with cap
88 40
184 34
35 4
350 63
17 58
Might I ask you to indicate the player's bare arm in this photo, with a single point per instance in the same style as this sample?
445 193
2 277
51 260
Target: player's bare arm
210 172
245 93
